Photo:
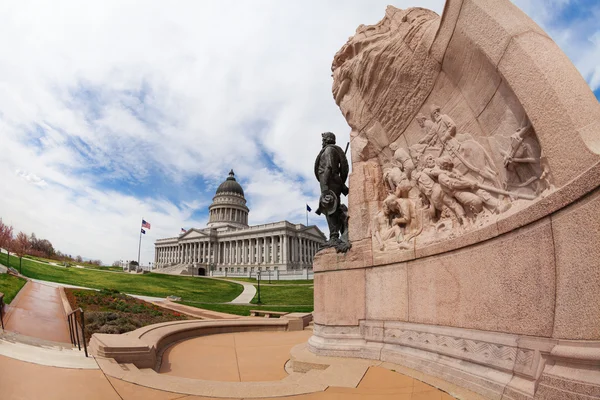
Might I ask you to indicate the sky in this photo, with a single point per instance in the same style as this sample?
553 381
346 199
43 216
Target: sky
111 111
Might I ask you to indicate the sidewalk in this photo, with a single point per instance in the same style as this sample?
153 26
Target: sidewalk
245 297
66 285
37 311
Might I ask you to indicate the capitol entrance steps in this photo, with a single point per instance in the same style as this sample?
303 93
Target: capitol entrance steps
178 269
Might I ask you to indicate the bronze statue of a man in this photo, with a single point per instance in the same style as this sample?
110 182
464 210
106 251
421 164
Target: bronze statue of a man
331 170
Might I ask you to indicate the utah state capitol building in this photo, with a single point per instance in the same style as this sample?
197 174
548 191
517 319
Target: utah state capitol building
228 244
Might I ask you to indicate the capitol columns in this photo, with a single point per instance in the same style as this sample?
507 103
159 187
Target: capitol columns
259 250
244 252
284 249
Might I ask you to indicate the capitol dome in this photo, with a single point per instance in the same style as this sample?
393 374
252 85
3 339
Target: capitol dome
229 205
230 185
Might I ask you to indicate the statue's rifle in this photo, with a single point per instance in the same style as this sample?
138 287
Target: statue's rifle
345 189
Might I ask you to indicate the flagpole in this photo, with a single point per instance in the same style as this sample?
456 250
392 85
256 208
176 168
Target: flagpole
307 216
140 244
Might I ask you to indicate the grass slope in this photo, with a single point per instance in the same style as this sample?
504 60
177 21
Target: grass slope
158 285
10 286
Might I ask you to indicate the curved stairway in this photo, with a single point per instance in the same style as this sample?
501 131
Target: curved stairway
177 269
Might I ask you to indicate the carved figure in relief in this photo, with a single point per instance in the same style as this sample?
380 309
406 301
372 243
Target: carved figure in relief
456 178
443 125
431 136
523 161
424 178
470 154
331 170
396 224
403 159
396 181
468 193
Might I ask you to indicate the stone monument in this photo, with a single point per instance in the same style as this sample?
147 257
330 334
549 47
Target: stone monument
474 205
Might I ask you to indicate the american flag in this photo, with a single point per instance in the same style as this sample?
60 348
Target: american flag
145 224
183 230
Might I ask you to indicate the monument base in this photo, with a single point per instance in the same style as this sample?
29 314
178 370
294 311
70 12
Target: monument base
495 365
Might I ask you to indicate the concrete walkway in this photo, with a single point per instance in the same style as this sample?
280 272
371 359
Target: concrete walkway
246 296
37 311
65 285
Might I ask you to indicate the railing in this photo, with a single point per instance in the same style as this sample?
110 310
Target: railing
74 331
2 310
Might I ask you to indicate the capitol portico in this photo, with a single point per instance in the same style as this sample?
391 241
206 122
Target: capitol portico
228 244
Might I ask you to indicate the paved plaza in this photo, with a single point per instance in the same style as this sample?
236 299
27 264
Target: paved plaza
37 361
25 380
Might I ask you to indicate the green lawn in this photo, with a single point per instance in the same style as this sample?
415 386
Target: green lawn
285 295
158 285
265 281
10 286
245 310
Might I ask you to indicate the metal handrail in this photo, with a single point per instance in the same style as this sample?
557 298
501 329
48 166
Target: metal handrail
1 310
74 331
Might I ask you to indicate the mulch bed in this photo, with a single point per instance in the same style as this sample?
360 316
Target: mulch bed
108 311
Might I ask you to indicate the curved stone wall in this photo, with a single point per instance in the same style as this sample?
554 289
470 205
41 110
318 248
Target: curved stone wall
505 302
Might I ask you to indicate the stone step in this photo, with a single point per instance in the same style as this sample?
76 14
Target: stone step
48 356
129 367
312 376
14 337
148 371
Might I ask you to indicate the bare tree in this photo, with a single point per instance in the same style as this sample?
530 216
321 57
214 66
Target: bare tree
116 263
79 259
21 246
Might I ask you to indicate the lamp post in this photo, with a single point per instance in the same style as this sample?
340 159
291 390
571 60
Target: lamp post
269 277
258 280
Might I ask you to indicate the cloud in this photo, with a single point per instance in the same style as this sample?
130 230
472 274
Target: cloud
127 110
31 178
573 25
